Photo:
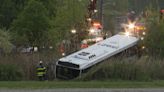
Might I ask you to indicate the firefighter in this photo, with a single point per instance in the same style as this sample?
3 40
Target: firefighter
41 71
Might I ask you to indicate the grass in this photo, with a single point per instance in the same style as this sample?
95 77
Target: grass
78 84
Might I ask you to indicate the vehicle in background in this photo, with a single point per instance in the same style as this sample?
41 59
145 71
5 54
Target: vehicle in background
95 35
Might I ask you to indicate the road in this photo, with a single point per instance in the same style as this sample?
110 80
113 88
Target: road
84 90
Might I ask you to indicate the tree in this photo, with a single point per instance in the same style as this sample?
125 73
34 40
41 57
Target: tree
9 9
5 44
32 26
155 34
51 6
154 41
69 14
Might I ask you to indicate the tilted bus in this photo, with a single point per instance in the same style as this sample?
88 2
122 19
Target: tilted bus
75 64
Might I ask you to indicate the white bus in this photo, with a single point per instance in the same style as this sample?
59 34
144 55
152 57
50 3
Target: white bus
75 64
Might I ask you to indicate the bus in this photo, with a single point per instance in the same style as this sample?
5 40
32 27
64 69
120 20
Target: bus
73 65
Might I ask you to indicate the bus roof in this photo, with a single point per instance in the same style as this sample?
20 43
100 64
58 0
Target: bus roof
100 51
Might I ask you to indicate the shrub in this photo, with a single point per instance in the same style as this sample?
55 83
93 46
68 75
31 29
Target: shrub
10 72
141 69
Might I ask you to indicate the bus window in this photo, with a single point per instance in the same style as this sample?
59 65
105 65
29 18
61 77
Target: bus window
66 73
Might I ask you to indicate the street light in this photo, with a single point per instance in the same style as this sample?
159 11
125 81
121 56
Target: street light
73 31
143 47
142 38
89 19
95 11
63 54
144 33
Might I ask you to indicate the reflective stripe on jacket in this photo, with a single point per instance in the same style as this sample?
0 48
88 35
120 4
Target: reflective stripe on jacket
41 71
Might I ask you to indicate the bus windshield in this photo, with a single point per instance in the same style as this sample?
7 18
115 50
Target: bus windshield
66 73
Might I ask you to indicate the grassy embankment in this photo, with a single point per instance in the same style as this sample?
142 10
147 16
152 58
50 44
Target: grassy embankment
79 84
